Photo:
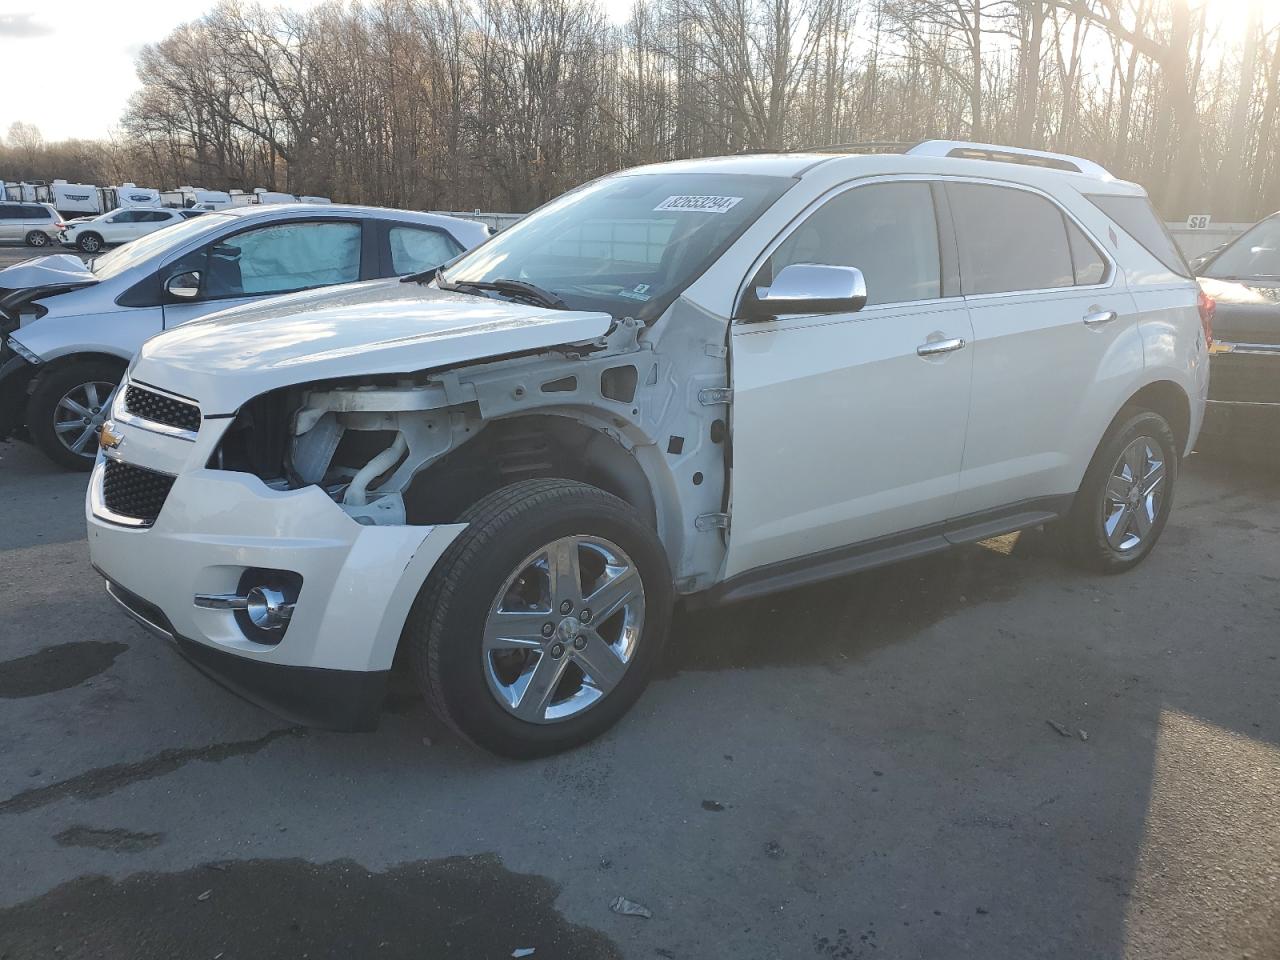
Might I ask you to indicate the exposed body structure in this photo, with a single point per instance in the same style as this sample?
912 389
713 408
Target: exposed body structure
510 478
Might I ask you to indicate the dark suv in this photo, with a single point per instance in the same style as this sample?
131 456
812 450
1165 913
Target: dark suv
1244 388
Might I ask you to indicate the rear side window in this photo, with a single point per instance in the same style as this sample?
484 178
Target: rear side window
886 230
33 211
1009 240
414 249
1090 266
1136 218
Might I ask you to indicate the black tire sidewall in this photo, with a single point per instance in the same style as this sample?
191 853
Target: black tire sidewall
1088 539
457 668
42 406
33 242
84 248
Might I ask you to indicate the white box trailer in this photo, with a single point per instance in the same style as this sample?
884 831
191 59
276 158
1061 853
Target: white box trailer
314 200
263 195
25 192
74 199
195 197
128 196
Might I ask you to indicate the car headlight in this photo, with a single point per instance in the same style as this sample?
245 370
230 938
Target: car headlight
22 351
117 398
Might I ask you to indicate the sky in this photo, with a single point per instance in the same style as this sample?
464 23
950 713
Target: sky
77 57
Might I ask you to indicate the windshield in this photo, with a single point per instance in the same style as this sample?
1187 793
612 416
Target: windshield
122 258
626 245
1255 254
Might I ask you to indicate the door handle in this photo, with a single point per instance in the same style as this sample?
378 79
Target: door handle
1095 317
934 347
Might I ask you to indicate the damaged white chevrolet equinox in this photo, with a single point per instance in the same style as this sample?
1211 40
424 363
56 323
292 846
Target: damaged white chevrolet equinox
717 377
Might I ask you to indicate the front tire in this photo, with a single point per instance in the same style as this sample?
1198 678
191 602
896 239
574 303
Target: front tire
68 407
37 238
1126 496
542 623
89 243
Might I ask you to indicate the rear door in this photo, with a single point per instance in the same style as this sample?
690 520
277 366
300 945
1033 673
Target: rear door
851 427
10 222
267 260
120 227
1055 344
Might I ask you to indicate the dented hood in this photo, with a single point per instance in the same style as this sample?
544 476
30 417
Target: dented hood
378 327
31 280
54 270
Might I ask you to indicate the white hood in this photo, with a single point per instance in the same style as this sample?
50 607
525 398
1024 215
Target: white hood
378 327
55 270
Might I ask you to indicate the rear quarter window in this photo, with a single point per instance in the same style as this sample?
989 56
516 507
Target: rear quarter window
1135 216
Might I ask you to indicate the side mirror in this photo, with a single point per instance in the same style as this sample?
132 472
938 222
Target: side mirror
184 286
808 288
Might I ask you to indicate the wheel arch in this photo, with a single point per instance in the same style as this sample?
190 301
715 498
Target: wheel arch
1170 401
67 359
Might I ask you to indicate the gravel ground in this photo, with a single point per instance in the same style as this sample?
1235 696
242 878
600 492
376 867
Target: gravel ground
862 769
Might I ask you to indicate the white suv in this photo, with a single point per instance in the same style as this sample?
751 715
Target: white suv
714 378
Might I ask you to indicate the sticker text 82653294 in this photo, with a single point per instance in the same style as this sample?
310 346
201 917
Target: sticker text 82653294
699 204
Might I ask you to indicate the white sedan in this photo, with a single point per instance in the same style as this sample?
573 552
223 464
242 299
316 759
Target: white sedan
119 226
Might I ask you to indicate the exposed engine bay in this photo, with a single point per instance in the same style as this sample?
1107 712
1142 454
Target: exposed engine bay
641 413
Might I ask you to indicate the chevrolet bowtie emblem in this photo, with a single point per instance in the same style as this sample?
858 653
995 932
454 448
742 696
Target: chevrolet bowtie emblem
108 440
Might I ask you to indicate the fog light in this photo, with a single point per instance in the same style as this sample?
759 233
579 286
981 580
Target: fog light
268 609
263 604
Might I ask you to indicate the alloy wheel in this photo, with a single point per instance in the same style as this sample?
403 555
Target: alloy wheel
563 629
1134 495
79 416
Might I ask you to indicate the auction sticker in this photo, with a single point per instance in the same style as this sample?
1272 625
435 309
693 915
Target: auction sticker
700 204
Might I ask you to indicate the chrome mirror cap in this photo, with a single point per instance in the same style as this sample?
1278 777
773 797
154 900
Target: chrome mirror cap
809 288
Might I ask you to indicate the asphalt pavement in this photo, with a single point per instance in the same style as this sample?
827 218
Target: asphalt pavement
978 754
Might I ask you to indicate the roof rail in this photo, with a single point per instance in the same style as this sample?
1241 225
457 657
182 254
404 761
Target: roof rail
865 146
1002 154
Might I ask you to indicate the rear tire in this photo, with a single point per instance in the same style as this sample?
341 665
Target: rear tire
37 238
1126 496
483 674
89 242
61 414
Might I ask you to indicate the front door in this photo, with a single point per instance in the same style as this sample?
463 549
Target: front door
264 261
849 428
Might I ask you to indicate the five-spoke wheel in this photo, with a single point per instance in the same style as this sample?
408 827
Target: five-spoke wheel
542 622
1125 497
563 629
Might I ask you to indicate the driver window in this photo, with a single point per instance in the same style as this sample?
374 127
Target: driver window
886 230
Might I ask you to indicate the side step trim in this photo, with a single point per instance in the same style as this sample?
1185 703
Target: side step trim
801 571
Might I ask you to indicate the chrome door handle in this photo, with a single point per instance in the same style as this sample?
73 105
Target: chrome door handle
1096 318
935 347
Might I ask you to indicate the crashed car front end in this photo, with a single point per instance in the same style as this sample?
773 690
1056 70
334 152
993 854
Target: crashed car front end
280 537
188 550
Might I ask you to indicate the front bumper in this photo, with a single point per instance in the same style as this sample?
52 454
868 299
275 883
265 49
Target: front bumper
358 583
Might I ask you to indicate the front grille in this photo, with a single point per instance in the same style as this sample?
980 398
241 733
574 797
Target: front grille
158 408
134 491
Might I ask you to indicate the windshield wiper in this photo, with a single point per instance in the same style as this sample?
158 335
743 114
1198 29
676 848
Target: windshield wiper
422 276
519 289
